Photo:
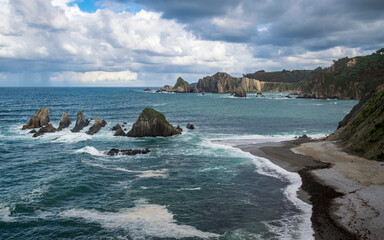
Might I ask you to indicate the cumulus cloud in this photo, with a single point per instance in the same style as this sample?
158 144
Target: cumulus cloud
56 40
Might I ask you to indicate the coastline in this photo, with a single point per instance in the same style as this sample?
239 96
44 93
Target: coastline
337 185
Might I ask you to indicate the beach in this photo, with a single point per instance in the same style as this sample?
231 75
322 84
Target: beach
345 191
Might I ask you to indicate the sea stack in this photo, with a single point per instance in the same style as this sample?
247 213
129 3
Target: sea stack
46 129
151 123
119 132
80 122
65 121
40 119
96 126
240 92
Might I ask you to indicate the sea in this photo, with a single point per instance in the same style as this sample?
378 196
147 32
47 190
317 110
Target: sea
197 185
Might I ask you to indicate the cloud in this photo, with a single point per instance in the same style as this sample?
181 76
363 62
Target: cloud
94 77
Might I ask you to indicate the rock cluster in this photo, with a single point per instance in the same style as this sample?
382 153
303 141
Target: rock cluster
118 131
151 123
115 151
190 126
81 122
147 89
40 119
46 129
96 126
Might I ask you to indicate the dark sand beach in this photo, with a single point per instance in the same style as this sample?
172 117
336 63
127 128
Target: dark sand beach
345 191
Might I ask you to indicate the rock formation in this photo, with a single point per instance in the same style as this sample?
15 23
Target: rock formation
119 131
40 119
98 124
46 129
159 90
147 89
362 131
152 124
80 122
225 83
182 86
239 92
179 128
190 126
65 121
167 88
115 152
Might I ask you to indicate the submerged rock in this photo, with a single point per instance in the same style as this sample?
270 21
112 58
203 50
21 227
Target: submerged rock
32 131
47 129
96 126
65 121
81 122
40 119
190 126
115 151
240 92
151 123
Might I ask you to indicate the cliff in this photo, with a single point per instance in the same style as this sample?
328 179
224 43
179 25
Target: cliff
362 131
347 78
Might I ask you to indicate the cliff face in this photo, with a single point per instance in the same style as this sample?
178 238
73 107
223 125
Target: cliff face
347 78
362 131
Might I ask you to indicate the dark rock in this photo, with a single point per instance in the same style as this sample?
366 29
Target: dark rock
119 131
80 122
259 93
125 123
96 126
304 136
47 129
115 151
147 89
203 94
167 88
33 131
115 127
125 129
179 128
65 121
288 96
40 119
190 126
240 92
152 124
159 90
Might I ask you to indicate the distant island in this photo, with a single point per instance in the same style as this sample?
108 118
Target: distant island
346 78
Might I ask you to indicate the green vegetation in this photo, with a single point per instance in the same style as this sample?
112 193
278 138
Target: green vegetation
285 76
148 114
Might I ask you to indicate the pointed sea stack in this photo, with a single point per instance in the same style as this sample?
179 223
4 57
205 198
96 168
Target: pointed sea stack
80 122
119 131
65 121
40 119
151 123
96 126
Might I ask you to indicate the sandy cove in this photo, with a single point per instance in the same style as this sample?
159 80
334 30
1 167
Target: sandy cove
346 191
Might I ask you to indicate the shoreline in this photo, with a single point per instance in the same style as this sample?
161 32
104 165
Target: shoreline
342 205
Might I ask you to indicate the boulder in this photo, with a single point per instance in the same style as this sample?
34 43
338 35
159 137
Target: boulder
147 89
119 131
240 92
190 126
179 128
115 151
40 119
151 123
46 129
81 122
32 131
96 126
65 121
115 127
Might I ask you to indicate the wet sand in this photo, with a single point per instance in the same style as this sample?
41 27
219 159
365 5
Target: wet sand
346 191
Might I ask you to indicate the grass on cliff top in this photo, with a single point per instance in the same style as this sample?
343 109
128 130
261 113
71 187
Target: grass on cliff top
149 114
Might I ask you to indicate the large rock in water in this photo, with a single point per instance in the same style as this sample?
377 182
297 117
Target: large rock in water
96 126
80 122
240 92
65 121
151 123
40 119
119 132
47 129
182 86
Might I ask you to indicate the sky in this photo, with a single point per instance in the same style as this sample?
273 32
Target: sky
153 42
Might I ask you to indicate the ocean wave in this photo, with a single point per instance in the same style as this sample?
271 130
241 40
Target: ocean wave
90 150
5 213
143 220
189 189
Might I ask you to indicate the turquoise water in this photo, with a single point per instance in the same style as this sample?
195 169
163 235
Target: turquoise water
192 186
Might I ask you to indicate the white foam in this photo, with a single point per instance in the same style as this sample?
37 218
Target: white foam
5 214
68 137
189 189
90 150
143 221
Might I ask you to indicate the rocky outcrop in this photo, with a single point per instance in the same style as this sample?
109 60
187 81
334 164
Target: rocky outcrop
81 122
119 132
239 92
147 89
65 121
168 88
46 129
98 124
190 126
362 131
182 86
159 90
40 119
114 152
179 128
152 124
